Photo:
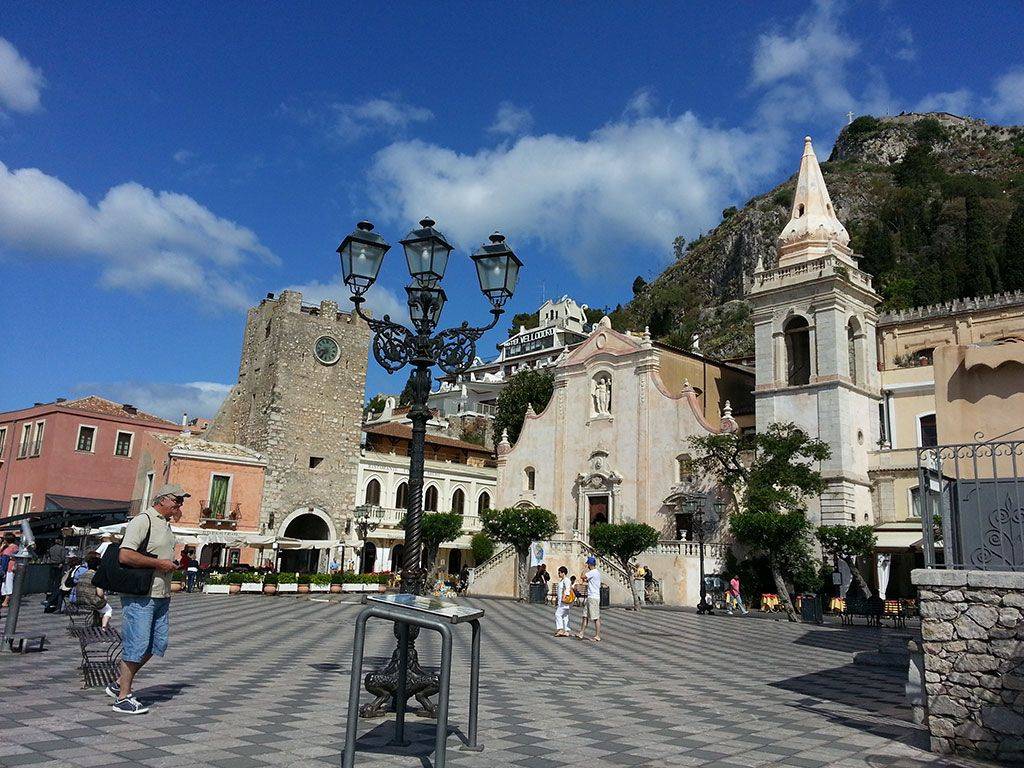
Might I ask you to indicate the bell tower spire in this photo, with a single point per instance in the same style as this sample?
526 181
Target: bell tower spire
813 229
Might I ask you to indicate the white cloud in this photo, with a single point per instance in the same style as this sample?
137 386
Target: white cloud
1007 99
641 103
637 179
511 120
906 50
957 102
379 300
21 84
197 398
183 156
350 122
141 239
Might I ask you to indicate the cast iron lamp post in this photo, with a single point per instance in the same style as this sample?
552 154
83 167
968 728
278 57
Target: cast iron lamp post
696 506
395 346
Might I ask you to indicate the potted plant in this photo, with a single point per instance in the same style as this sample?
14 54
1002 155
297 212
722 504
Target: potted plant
270 584
177 581
350 582
337 580
234 581
303 581
216 584
320 582
252 581
286 582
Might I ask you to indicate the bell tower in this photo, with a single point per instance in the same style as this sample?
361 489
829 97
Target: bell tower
814 330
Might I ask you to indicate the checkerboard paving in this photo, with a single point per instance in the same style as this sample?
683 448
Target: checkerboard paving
252 681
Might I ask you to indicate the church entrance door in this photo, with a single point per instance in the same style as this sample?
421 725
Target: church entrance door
598 506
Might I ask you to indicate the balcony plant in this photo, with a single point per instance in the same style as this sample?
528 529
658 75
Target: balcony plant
286 582
270 584
320 582
216 584
302 580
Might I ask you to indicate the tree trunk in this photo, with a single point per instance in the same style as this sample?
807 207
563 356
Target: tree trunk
632 584
782 590
856 577
522 573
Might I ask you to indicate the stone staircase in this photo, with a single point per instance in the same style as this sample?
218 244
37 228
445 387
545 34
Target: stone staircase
499 558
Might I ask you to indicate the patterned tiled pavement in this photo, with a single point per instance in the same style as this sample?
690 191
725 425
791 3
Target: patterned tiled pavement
258 681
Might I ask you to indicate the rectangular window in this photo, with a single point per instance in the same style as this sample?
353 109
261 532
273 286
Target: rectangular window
123 443
220 486
3 441
26 440
882 437
147 491
37 443
12 509
234 556
26 503
929 430
86 438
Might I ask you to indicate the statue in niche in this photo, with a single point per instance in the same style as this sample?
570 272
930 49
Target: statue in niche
602 395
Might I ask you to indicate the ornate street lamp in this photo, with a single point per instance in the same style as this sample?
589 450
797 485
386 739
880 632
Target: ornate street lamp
697 506
395 346
366 520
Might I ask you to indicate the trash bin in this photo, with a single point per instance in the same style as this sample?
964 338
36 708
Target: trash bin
605 598
538 593
810 609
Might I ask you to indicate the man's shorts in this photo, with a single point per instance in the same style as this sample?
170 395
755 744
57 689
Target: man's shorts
592 610
144 626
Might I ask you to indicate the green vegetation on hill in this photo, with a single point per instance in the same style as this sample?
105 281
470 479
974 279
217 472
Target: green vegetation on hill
934 206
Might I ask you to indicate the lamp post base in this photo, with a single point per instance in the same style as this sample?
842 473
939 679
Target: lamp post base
383 683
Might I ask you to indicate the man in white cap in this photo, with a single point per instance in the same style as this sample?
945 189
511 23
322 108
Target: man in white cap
148 543
592 608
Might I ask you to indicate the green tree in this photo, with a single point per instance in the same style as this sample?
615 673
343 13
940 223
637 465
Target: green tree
525 388
482 547
1011 266
982 271
437 528
849 543
623 542
525 320
408 393
638 285
376 405
771 473
519 528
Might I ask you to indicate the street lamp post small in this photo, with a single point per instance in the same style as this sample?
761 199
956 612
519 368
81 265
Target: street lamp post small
697 506
395 346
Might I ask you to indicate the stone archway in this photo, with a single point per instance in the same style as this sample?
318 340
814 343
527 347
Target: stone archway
309 524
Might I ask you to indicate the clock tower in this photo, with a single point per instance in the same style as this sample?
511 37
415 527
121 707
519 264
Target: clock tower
299 402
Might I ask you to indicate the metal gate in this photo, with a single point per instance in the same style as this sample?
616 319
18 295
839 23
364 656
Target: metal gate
971 500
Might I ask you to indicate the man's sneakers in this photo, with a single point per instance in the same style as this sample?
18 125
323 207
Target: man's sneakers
113 690
129 706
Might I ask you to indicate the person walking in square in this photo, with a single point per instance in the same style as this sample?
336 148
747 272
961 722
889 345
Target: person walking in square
592 608
735 598
7 565
148 543
564 598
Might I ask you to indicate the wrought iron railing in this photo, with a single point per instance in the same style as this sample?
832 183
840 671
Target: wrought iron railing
223 515
971 499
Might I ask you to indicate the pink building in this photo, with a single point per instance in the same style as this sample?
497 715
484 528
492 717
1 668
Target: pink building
73 454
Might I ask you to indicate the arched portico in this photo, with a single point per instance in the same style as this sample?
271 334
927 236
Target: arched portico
307 524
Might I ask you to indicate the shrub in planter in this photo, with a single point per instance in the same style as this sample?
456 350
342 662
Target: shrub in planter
252 581
337 580
270 584
234 581
302 580
217 584
177 581
320 582
286 582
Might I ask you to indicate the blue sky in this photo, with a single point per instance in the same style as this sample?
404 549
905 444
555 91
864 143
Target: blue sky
163 166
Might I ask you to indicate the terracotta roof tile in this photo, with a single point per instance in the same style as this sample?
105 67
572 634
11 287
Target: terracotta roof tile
394 429
96 404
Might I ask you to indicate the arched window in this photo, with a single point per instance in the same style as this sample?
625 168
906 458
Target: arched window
458 501
798 351
402 496
529 479
684 468
372 495
430 499
852 343
927 431
484 502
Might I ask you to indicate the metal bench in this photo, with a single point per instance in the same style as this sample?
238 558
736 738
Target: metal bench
872 609
101 654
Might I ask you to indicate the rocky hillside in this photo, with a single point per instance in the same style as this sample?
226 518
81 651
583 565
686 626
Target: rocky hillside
934 204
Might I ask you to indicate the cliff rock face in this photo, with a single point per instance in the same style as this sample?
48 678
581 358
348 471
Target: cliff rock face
917 193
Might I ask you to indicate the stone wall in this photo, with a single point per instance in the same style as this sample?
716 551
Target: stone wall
972 628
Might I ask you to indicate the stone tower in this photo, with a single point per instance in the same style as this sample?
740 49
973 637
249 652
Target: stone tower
299 401
814 330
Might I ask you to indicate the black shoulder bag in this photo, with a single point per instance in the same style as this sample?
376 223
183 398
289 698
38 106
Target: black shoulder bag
114 576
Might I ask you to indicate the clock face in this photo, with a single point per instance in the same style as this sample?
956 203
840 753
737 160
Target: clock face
327 350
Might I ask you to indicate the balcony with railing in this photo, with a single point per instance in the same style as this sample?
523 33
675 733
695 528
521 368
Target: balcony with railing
220 516
391 517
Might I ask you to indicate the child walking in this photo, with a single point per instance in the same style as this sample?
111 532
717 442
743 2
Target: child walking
565 598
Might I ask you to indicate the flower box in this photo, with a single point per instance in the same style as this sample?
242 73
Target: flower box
252 586
351 587
216 589
319 587
288 587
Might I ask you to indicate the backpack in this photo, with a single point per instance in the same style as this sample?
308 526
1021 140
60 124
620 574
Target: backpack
112 576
